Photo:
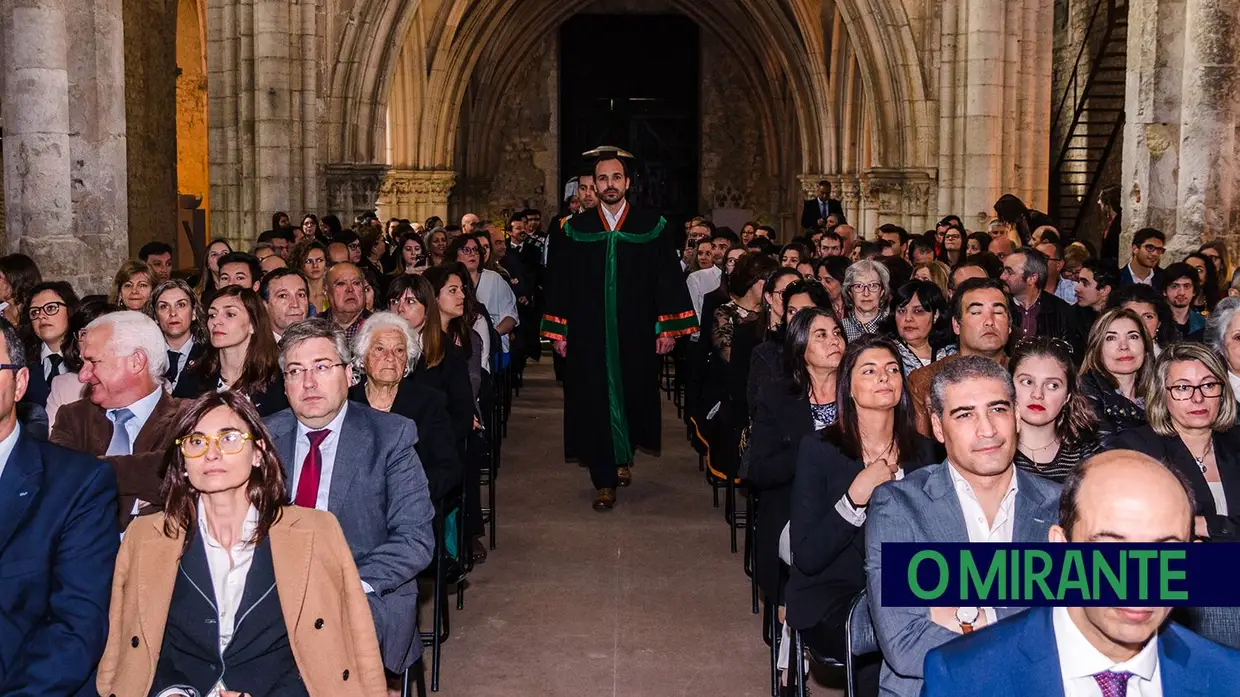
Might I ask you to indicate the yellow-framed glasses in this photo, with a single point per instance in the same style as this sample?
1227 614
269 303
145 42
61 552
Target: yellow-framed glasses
229 443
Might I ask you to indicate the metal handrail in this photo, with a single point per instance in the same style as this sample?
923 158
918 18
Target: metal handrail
1093 17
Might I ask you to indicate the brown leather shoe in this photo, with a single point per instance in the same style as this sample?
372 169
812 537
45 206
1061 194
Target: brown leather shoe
624 475
606 500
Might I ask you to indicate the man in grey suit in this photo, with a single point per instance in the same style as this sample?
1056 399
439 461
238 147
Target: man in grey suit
359 464
976 495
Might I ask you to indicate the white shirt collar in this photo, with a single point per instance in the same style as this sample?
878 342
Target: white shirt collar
184 350
7 445
142 409
45 351
333 426
962 484
613 221
1144 280
247 528
1080 659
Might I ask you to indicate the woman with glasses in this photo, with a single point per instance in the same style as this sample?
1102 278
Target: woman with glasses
310 257
45 329
1057 427
226 528
309 228
1115 370
241 355
866 295
1192 427
953 249
132 286
921 324
385 353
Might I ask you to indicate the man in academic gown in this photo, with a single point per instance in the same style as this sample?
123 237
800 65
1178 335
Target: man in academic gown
617 295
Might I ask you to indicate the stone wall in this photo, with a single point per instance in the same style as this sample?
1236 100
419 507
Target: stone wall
734 157
191 105
150 111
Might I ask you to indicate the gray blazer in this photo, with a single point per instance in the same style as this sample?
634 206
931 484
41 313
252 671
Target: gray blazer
379 495
923 507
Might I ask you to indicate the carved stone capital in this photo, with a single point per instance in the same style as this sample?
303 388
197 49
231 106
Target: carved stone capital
416 194
898 192
353 187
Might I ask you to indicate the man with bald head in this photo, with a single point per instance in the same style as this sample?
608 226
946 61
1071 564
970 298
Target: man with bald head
1118 496
468 221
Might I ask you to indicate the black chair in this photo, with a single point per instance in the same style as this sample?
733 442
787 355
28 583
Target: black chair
441 625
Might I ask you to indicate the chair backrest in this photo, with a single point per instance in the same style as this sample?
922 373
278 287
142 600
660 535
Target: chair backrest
860 627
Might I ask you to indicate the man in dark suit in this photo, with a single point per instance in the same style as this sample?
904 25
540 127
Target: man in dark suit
1148 246
814 213
1119 496
359 464
975 495
58 542
1039 313
128 415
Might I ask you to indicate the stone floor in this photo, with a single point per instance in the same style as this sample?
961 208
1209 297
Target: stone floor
646 600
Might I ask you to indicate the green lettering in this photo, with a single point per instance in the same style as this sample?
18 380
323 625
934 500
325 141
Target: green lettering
970 577
1119 584
1037 576
944 576
1072 576
1143 557
1166 575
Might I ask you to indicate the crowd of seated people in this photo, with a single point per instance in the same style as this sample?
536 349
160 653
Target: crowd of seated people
236 473
942 388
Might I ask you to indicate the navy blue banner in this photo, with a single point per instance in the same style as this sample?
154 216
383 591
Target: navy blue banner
1047 574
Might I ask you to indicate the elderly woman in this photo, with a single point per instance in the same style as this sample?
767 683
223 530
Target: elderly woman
386 351
1192 426
1223 335
866 293
283 612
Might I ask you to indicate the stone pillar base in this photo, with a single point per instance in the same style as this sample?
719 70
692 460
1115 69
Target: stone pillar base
415 194
353 188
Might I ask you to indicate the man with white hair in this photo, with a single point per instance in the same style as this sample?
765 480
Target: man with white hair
128 415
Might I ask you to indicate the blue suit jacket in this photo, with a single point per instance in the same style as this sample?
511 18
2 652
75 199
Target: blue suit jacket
380 496
1018 656
923 507
58 543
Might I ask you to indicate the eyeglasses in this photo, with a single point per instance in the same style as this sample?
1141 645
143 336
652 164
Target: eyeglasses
51 310
1209 390
1151 249
1044 342
319 370
469 250
229 442
866 288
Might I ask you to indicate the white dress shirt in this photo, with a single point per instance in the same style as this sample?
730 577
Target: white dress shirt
700 283
980 529
1147 281
327 455
856 516
1079 661
614 220
142 410
496 294
7 445
45 354
229 568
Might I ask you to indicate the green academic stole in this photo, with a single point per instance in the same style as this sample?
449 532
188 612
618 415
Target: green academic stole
621 446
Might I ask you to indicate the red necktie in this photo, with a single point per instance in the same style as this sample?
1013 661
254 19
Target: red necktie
311 471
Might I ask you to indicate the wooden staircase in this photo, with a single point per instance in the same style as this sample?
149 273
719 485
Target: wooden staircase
1092 107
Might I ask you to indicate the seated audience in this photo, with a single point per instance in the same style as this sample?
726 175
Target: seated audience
767 361
1192 427
57 551
1058 428
935 272
157 256
743 311
385 353
1223 335
981 320
226 524
975 495
1038 313
920 325
18 275
241 355
384 510
179 314
46 328
867 290
66 387
1151 306
239 269
798 401
286 295
1118 496
346 289
1119 358
1180 285
132 286
1095 281
837 471
126 416
208 278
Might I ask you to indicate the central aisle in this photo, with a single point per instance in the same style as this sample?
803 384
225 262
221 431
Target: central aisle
646 600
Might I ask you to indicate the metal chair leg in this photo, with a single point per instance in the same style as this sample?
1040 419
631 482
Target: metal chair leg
798 655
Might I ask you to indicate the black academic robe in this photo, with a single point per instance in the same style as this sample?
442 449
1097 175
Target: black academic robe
610 295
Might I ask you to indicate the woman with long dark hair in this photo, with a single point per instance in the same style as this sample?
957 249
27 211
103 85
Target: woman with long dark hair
1058 428
310 257
773 299
413 257
920 324
436 246
308 229
209 268
45 331
1119 358
953 251
874 441
1207 276
227 523
241 356
18 274
458 317
767 362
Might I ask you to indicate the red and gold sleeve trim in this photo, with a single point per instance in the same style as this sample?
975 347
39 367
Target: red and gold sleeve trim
554 328
674 325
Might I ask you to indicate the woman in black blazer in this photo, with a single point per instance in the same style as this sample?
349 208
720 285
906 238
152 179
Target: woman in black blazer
836 472
384 353
1192 427
242 355
786 410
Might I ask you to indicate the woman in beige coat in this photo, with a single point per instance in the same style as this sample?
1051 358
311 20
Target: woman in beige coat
230 592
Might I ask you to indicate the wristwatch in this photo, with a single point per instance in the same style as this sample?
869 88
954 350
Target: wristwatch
966 616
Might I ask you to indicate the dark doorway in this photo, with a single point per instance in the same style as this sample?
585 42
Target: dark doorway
632 81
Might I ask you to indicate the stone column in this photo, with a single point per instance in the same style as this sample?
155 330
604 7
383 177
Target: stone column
899 196
64 156
1206 199
415 194
353 188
